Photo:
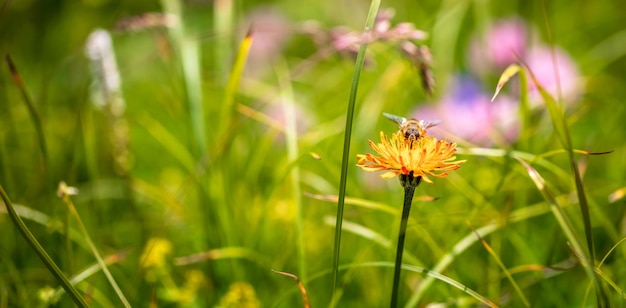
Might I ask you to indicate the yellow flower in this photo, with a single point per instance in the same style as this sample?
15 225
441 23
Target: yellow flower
423 157
240 295
155 253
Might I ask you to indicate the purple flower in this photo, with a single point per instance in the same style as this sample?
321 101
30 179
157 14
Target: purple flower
466 113
505 43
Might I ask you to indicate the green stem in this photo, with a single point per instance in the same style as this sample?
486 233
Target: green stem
83 229
358 67
409 182
45 258
32 112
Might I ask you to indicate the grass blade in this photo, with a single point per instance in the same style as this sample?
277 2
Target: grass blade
87 272
188 49
508 73
228 106
430 274
504 269
63 192
291 140
561 128
305 297
235 76
345 161
41 253
467 242
31 110
563 221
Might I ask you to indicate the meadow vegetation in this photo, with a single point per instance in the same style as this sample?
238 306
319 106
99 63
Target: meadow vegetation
195 153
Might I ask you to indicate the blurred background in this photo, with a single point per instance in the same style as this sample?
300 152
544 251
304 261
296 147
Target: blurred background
197 177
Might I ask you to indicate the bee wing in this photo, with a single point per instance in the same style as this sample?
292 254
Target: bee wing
396 119
429 124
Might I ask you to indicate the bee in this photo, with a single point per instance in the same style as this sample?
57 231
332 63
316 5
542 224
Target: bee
412 129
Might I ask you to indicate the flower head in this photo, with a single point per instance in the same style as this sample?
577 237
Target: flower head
418 158
155 253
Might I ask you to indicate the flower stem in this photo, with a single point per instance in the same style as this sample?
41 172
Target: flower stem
409 183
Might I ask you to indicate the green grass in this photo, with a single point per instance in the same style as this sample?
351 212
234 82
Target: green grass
236 163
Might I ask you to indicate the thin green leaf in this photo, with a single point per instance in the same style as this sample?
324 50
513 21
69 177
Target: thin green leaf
189 54
367 204
62 192
470 239
518 290
610 282
34 116
87 272
41 253
524 110
563 221
556 113
430 274
291 139
236 71
561 128
508 73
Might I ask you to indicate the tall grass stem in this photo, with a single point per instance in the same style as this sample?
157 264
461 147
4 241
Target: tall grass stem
34 116
291 140
70 205
41 253
345 161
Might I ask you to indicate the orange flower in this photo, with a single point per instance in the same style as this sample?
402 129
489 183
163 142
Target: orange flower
423 157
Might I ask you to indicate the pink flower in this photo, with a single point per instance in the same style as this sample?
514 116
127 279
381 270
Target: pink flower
503 44
540 61
466 113
270 31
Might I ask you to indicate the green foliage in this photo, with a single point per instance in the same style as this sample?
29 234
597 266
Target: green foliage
212 167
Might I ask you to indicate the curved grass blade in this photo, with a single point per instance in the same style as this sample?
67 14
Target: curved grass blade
361 230
223 253
524 107
610 251
428 273
19 82
305 297
604 276
610 282
87 272
450 282
366 204
508 73
559 123
41 253
501 265
345 160
232 85
467 242
564 223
